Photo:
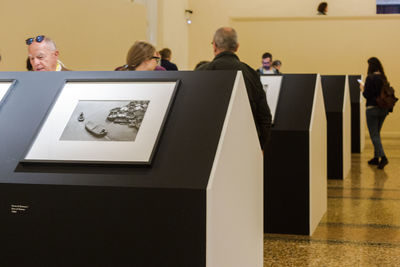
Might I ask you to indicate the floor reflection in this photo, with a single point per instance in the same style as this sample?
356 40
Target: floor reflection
361 226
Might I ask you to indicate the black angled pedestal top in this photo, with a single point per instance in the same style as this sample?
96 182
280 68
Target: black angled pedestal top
186 147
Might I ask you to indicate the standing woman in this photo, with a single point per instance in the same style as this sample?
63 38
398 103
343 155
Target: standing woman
375 115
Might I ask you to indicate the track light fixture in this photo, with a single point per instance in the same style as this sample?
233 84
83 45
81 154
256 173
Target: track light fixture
188 15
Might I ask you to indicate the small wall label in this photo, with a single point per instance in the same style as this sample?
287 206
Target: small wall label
16 208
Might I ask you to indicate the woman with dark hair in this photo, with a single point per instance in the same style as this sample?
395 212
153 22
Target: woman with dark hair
375 115
322 8
142 56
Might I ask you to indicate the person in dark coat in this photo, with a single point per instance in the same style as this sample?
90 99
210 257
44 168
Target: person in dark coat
225 45
166 55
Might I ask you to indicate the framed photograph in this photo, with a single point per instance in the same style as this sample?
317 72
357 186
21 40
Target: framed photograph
4 87
104 122
272 87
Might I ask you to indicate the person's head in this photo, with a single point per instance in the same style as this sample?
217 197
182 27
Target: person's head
225 39
142 56
374 66
277 64
266 60
42 53
323 8
166 53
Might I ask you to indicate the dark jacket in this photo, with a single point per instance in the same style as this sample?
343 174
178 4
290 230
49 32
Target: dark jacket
372 88
168 65
258 101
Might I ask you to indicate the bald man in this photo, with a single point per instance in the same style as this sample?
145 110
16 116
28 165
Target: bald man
43 54
225 45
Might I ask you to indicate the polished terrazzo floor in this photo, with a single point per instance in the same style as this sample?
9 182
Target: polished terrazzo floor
361 226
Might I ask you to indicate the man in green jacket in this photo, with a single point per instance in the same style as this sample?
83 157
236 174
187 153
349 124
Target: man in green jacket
225 45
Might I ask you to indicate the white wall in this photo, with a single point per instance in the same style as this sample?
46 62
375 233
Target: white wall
291 8
90 34
174 31
326 45
211 14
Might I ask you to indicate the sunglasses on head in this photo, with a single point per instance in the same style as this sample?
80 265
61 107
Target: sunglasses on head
38 39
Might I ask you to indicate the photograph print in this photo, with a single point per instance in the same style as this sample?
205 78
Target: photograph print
104 122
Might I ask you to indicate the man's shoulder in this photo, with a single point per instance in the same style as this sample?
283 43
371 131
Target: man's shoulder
246 66
225 64
228 61
249 70
174 66
206 66
168 65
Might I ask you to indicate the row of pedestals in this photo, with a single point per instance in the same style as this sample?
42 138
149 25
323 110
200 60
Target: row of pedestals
317 126
199 202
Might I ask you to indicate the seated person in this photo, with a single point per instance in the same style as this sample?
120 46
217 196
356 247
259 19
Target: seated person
166 59
142 56
43 54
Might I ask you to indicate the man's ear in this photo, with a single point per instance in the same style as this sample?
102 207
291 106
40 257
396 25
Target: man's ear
237 47
56 53
214 48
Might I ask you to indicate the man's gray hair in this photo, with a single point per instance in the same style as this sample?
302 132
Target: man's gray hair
50 43
226 39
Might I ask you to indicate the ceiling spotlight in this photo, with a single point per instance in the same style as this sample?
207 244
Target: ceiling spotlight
188 15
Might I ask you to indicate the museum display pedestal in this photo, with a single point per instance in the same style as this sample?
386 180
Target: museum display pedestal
295 183
358 120
199 203
338 114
